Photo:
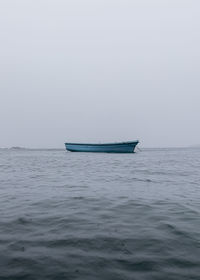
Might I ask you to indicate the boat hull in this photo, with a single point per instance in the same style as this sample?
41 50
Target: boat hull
124 147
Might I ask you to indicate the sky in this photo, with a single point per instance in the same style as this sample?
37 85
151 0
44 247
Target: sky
99 71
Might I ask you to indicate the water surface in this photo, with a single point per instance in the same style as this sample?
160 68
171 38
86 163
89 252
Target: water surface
100 216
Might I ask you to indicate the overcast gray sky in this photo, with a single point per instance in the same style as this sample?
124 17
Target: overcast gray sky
99 71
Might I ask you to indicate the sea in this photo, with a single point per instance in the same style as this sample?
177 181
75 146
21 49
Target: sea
100 216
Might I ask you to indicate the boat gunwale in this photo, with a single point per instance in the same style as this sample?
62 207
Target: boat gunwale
104 144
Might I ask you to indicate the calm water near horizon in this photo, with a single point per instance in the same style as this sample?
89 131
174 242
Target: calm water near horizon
100 216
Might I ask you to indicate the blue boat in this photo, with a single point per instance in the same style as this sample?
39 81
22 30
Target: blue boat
122 147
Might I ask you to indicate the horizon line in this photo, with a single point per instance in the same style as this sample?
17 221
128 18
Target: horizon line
57 148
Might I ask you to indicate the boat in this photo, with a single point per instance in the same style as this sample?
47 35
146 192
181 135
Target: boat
121 147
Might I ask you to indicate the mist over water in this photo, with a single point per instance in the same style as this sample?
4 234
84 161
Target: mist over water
99 71
100 216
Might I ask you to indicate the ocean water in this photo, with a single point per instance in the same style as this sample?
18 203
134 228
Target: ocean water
100 216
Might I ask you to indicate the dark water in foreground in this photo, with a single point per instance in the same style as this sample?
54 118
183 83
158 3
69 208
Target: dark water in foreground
100 216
